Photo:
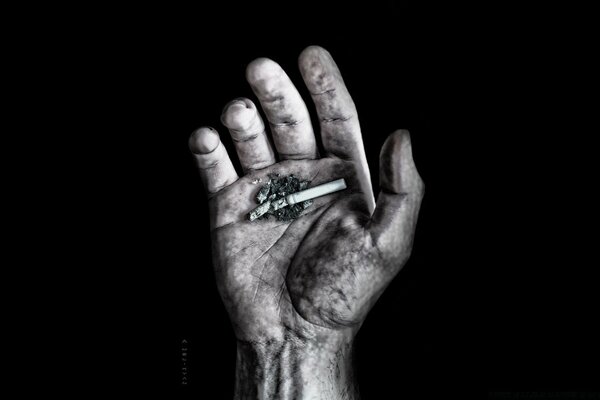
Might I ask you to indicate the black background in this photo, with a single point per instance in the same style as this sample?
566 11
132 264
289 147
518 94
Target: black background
496 296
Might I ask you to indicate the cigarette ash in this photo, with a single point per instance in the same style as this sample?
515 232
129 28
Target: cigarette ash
276 188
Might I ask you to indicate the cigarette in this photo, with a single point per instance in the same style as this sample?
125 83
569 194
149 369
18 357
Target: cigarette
317 191
298 197
259 211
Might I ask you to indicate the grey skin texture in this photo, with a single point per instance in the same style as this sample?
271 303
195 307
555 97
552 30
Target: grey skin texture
297 292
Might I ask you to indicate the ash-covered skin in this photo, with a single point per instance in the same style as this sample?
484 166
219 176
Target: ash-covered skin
313 279
276 188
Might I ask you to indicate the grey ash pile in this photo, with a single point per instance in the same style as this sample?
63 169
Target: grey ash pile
276 188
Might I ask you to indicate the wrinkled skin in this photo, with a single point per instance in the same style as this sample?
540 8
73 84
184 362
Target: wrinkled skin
294 275
310 281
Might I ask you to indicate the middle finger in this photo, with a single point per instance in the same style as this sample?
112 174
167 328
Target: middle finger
287 114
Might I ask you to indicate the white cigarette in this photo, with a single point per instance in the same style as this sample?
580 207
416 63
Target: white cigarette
317 191
298 197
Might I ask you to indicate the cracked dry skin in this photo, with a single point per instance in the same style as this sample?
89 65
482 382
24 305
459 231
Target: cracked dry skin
312 276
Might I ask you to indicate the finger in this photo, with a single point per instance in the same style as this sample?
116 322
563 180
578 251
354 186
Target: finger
212 160
248 133
393 223
340 130
287 114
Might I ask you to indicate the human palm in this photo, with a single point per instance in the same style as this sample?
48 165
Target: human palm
321 273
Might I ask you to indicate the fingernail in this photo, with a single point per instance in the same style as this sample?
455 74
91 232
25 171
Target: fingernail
238 114
203 140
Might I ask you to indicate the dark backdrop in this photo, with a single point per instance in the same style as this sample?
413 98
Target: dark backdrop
491 298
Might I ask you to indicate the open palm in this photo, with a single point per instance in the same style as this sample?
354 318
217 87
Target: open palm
321 273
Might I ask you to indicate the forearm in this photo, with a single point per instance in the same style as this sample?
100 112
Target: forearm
295 368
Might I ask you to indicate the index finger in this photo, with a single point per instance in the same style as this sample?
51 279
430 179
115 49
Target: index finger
340 129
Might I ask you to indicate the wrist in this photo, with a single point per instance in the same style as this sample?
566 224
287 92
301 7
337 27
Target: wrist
296 368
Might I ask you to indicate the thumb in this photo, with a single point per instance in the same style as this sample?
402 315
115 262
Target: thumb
393 223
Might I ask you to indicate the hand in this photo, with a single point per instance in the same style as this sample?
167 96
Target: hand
297 292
